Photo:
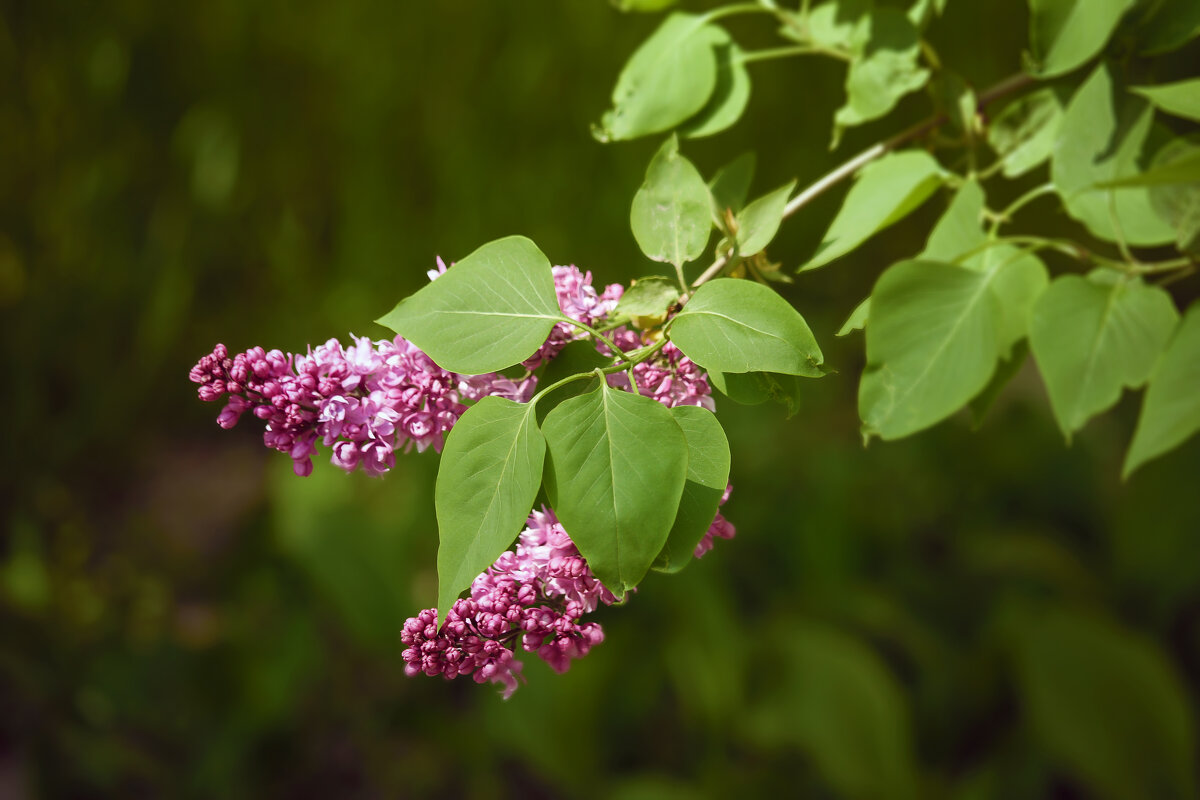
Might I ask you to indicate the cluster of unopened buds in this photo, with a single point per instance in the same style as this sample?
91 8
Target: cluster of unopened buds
370 399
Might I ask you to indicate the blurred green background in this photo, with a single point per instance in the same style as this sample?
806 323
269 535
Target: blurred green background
985 614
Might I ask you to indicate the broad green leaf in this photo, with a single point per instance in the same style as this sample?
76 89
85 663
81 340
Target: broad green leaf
670 214
834 697
491 310
1097 143
1090 339
1171 410
489 475
707 477
648 297
759 221
931 345
921 12
885 192
755 388
1007 369
1024 133
1019 277
732 325
959 229
1182 99
617 466
857 319
884 69
1065 34
1169 25
666 81
1178 202
729 96
1106 705
833 24
730 186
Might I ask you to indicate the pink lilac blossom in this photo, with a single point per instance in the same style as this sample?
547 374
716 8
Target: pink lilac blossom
369 399
534 596
720 528
668 376
364 401
580 301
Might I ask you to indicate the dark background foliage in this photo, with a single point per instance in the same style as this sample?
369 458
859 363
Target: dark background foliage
961 614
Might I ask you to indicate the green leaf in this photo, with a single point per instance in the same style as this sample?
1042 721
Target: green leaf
884 69
959 229
834 697
648 297
833 25
489 476
1064 34
1020 277
489 311
1106 705
707 477
755 388
931 345
857 320
1178 202
1024 133
1182 99
666 81
734 325
759 221
921 12
730 186
670 214
1090 339
615 474
1171 410
1170 25
729 96
1098 143
885 192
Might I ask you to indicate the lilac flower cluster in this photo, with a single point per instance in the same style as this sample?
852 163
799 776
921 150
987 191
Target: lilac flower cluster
580 301
720 528
364 401
669 376
535 595
370 399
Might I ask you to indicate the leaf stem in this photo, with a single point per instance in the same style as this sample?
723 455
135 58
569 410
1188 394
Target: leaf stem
793 50
590 330
1080 253
627 362
1013 83
683 284
739 8
1022 201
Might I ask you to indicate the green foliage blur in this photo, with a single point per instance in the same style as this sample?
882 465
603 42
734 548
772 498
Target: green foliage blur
966 614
